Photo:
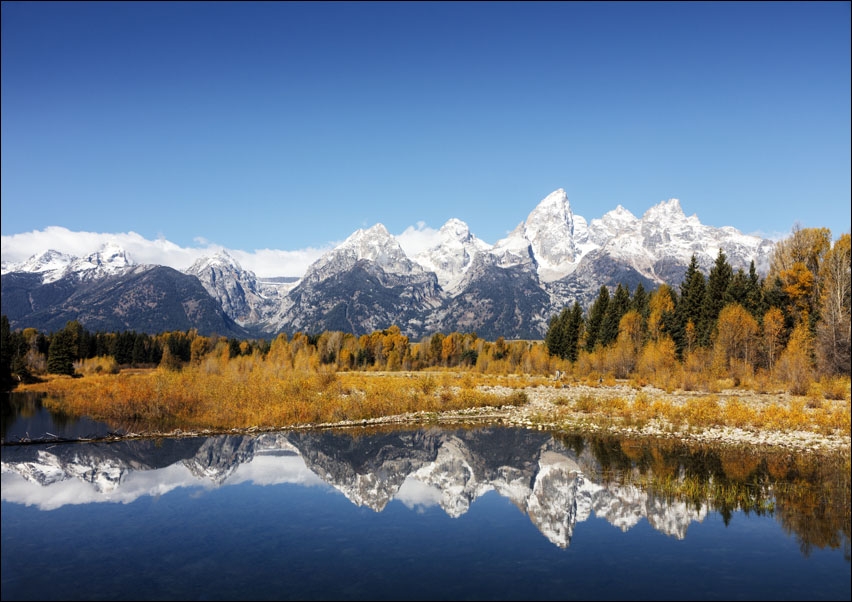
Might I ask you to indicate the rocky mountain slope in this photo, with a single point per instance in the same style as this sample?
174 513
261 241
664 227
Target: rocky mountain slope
368 283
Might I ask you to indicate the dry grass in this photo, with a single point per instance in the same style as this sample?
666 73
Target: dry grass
247 391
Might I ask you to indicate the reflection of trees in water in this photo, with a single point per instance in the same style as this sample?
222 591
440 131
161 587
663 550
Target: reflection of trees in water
19 405
809 494
814 505
62 419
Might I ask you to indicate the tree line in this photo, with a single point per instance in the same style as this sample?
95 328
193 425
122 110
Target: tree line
795 322
731 321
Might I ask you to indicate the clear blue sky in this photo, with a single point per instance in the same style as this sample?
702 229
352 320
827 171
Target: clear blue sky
290 125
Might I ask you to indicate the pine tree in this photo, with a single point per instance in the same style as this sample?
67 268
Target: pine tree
60 354
595 320
574 332
714 298
555 338
618 305
640 301
689 305
5 350
754 301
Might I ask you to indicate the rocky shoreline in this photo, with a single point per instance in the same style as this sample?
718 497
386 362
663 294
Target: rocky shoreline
545 411
547 408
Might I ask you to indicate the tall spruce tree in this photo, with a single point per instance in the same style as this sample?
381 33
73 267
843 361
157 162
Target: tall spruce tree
554 339
754 301
618 305
574 332
689 307
595 319
5 351
640 301
61 352
715 297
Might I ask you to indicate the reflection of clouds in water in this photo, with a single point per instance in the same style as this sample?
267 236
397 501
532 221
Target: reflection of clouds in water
273 470
263 470
18 490
417 494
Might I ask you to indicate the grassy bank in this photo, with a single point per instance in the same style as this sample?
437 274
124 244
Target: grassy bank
242 393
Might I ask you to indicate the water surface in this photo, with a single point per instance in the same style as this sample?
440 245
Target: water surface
420 514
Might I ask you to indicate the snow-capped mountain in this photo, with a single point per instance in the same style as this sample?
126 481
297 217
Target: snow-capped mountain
375 245
510 289
453 255
557 488
242 296
366 283
52 265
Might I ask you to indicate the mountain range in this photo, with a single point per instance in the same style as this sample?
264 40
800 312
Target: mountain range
554 485
369 283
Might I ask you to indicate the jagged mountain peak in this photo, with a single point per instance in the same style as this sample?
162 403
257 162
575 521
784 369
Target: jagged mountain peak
667 210
453 255
619 214
374 244
455 229
108 260
46 261
220 258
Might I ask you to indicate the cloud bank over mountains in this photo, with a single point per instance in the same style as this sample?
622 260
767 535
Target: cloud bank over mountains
263 262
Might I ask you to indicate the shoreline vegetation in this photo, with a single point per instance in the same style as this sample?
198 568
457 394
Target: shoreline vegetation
726 358
248 394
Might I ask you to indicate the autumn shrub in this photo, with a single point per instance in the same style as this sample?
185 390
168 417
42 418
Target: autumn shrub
102 364
837 387
703 411
586 403
737 413
642 409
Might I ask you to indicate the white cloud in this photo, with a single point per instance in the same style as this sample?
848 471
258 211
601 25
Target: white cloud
263 262
415 239
415 494
273 262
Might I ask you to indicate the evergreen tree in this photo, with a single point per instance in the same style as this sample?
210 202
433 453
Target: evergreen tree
714 297
737 289
555 338
754 301
618 305
574 332
595 320
689 306
60 354
5 351
640 301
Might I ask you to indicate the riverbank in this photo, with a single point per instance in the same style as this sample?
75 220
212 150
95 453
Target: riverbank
238 398
555 408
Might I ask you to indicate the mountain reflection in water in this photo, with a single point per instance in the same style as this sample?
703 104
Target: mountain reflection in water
556 481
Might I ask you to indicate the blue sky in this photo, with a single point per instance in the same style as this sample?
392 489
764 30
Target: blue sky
287 126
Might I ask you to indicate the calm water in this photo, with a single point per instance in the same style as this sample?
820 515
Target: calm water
418 514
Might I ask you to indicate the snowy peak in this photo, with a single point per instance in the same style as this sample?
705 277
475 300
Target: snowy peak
47 262
453 254
221 259
374 244
550 230
546 240
109 260
611 225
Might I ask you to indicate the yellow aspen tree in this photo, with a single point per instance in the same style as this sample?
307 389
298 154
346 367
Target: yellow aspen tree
734 338
834 330
660 303
796 362
773 331
630 330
